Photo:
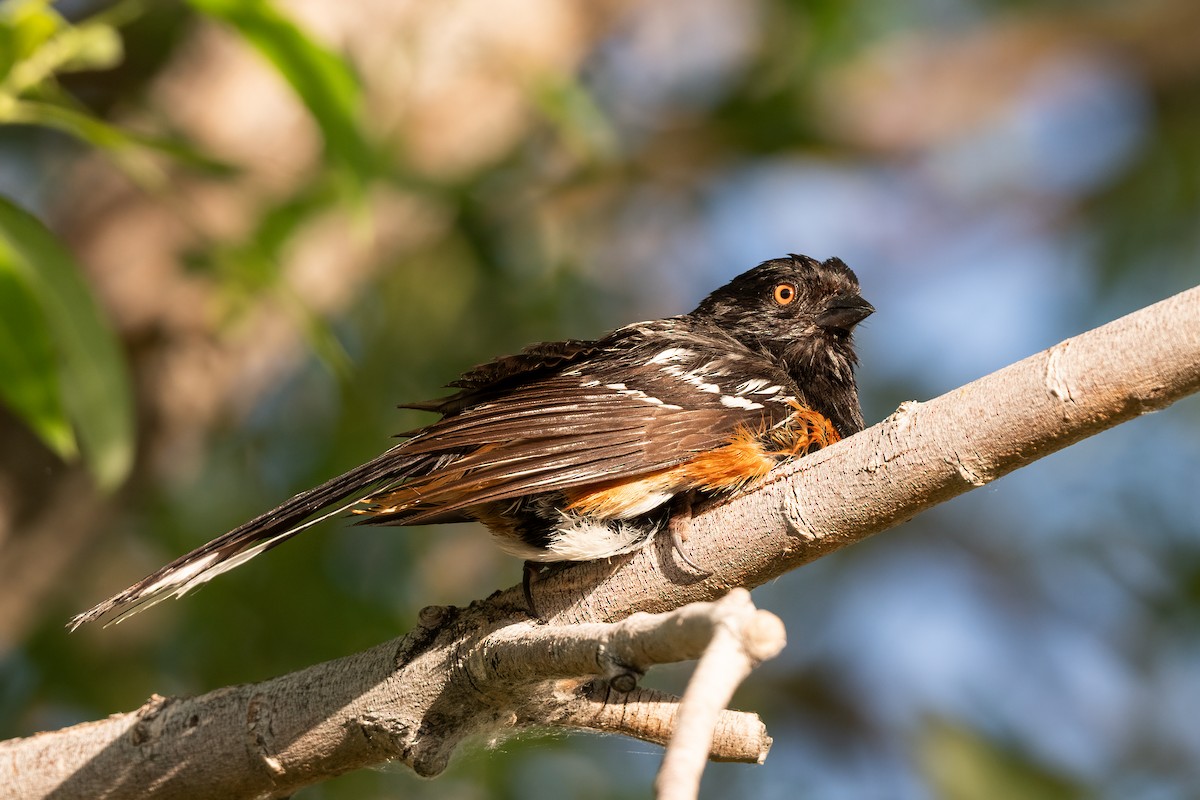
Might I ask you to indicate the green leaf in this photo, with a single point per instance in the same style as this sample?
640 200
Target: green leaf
36 43
323 80
92 377
130 150
25 25
27 361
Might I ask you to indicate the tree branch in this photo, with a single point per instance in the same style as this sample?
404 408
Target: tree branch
486 670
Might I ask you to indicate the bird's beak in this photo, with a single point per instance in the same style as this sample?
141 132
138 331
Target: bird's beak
844 312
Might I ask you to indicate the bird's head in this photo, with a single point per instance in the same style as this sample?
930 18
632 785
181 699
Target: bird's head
798 309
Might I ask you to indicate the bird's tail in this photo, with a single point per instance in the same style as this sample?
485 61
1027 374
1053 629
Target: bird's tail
256 536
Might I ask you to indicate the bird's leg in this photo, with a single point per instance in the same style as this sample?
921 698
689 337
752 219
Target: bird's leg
681 512
532 572
532 568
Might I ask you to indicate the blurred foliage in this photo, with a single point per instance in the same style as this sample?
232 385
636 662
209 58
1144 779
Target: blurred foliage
323 80
963 765
665 158
61 363
64 369
38 47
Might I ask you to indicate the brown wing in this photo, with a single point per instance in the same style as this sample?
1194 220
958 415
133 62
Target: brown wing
585 426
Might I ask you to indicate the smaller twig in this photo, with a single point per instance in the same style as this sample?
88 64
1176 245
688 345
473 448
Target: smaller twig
651 716
742 638
521 653
585 676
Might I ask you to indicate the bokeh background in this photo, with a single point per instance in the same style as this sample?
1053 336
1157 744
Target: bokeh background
294 215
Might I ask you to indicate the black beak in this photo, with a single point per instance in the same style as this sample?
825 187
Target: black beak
844 312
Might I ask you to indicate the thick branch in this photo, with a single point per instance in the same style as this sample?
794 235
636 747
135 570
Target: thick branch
414 699
461 674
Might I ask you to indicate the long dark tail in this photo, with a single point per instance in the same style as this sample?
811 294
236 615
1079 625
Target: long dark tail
256 536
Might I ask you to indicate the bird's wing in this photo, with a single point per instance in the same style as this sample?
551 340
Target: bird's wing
603 419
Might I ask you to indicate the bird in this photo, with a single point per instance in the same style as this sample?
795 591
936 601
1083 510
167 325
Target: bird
573 450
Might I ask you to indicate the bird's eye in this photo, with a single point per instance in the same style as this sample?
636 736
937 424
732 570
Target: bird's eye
785 293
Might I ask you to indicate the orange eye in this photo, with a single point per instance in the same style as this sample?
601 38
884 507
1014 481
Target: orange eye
785 293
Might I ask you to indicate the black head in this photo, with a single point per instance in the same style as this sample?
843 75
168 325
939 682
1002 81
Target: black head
800 311
791 307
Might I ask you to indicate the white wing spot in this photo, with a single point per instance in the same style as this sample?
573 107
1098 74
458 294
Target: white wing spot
754 386
695 378
638 394
739 402
672 354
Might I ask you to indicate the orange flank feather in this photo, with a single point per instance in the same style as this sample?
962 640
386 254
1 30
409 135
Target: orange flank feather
620 498
741 462
748 457
805 430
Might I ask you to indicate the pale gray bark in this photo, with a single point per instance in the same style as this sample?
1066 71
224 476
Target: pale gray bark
488 671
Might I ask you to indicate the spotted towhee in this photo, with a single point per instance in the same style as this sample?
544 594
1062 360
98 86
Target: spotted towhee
570 451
